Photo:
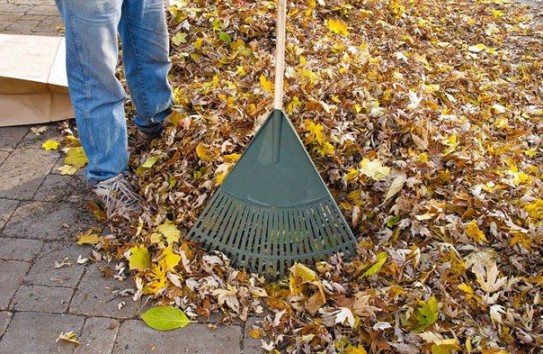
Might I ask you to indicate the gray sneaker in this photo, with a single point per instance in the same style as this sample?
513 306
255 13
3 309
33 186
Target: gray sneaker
117 196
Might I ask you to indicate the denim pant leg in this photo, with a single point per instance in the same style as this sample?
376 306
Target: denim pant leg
144 36
97 95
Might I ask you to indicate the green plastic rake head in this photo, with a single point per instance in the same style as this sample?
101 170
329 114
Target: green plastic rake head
273 209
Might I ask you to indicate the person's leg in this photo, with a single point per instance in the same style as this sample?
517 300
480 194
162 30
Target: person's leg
97 96
144 36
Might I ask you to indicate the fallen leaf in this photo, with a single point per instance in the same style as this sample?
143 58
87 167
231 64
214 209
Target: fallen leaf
165 318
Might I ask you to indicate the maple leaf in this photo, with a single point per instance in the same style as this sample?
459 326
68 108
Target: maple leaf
427 313
374 169
50 145
203 153
228 297
67 170
344 314
338 26
169 231
139 258
89 237
535 209
266 84
489 280
76 157
170 258
473 231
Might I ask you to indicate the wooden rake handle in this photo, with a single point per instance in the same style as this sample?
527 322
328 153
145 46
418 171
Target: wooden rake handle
279 76
280 53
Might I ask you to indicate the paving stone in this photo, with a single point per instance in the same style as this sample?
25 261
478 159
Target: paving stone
43 10
43 271
27 2
7 207
34 17
10 16
59 221
98 336
5 317
96 296
14 8
41 298
36 333
135 337
31 140
5 24
3 154
23 26
10 136
251 345
11 275
68 188
19 249
23 172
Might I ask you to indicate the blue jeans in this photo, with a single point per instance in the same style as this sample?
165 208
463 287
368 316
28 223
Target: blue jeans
97 95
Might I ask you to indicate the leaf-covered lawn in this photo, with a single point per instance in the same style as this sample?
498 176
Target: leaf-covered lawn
424 118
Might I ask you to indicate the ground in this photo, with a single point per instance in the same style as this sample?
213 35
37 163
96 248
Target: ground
40 213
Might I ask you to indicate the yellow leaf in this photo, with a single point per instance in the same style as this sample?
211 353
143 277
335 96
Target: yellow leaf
466 288
256 333
231 158
139 258
423 157
338 26
150 162
351 349
473 231
50 145
76 157
374 169
445 346
170 231
477 48
315 132
203 153
266 84
67 170
535 209
307 275
170 258
89 237
376 267
70 337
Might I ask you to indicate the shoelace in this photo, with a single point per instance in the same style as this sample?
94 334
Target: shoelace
117 196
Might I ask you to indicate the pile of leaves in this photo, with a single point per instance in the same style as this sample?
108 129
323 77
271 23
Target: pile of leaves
424 118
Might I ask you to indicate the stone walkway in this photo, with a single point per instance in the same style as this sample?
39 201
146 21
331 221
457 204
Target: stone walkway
41 211
38 17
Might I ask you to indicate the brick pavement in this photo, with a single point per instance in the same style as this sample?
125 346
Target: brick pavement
39 17
40 212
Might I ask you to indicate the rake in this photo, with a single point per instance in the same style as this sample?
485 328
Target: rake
273 209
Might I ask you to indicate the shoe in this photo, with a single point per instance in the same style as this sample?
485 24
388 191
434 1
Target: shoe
157 132
117 196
